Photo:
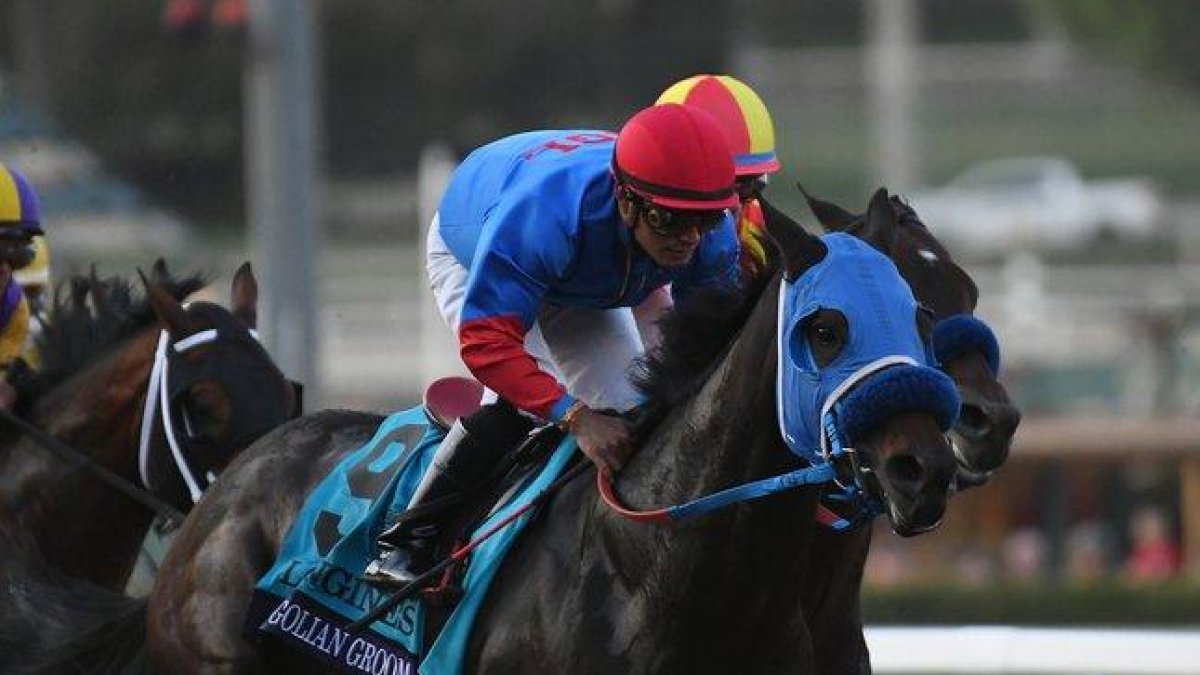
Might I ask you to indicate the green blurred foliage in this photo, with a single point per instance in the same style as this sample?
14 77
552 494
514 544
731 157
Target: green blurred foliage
166 109
401 74
1158 34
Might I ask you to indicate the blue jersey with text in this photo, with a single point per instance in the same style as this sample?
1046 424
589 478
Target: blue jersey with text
534 219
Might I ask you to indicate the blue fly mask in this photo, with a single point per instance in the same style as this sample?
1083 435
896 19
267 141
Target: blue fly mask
883 370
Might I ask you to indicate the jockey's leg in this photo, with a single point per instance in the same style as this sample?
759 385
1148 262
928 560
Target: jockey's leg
468 453
592 350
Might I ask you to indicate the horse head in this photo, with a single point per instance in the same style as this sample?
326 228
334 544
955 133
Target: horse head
854 387
965 346
218 388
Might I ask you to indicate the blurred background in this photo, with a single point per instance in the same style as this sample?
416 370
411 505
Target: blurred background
1054 145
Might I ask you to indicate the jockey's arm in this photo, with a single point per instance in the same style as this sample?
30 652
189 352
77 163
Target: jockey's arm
508 281
522 252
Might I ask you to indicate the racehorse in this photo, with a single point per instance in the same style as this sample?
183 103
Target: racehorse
585 590
216 391
988 420
981 437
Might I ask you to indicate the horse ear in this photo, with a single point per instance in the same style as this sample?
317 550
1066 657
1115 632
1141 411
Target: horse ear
831 216
158 272
99 292
881 230
170 312
800 249
244 295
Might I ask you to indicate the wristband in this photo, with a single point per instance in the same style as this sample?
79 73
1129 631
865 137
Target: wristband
569 417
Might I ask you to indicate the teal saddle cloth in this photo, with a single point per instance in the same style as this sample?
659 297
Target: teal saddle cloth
314 591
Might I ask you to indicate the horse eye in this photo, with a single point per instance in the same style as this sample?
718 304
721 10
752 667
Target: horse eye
826 333
208 410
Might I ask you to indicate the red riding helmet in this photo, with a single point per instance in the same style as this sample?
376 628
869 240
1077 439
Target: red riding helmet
677 157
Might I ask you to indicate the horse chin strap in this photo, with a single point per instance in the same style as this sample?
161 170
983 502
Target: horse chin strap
158 401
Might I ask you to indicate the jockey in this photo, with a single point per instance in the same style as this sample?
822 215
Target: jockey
20 222
545 246
751 136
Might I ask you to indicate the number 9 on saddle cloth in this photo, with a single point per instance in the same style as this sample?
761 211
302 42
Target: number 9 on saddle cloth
466 462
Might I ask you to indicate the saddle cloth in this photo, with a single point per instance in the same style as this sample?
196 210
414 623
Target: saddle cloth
314 591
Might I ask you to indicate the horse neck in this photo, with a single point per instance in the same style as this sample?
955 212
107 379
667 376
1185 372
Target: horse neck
745 561
115 385
85 527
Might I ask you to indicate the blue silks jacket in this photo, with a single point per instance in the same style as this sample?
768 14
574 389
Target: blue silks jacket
534 218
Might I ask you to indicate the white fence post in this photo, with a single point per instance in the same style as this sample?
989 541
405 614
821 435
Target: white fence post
439 348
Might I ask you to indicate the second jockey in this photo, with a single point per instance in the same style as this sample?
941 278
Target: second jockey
20 222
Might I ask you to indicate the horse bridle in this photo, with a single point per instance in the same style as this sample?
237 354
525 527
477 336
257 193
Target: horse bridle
834 463
159 397
164 402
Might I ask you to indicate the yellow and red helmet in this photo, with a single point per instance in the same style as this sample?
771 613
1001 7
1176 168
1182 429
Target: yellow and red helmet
742 114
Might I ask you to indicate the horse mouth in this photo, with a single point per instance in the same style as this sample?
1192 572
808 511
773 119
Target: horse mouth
979 454
982 436
910 523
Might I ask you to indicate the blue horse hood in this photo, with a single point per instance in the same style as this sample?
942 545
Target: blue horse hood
882 316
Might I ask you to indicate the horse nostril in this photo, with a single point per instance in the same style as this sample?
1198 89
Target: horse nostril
973 417
904 470
1008 418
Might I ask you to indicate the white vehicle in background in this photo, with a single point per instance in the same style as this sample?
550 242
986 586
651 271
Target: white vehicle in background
1036 202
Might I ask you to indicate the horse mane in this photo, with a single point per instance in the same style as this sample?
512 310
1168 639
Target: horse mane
695 333
87 318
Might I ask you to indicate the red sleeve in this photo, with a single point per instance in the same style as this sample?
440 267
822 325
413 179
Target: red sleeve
493 348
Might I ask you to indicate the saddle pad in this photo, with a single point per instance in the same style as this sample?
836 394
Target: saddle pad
314 590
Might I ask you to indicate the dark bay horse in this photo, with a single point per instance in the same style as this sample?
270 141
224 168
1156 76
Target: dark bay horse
982 435
218 386
585 590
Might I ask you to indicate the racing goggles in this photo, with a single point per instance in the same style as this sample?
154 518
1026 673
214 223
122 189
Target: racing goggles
17 252
672 223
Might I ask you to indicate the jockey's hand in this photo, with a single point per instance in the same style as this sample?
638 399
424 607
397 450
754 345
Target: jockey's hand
603 438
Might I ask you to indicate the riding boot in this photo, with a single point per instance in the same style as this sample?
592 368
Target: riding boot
470 449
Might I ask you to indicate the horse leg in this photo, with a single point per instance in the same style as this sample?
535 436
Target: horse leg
198 608
835 573
195 615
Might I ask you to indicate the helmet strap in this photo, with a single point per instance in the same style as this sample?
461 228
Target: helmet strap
629 204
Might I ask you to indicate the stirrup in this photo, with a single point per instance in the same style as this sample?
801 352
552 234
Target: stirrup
393 568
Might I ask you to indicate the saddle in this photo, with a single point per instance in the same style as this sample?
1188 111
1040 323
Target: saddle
449 398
